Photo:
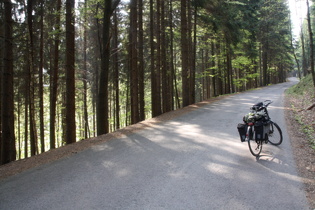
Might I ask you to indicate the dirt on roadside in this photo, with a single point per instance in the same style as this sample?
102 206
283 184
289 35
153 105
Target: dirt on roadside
19 166
304 154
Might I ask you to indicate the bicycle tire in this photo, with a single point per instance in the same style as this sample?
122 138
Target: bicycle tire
275 134
254 146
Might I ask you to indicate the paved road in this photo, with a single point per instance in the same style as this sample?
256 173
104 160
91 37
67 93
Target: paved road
195 161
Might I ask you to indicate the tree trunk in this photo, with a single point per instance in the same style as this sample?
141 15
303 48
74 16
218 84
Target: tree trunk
155 91
7 107
165 102
304 63
157 76
1 64
311 42
184 53
265 66
26 105
31 80
54 81
116 73
85 79
102 107
228 69
172 83
141 62
213 73
70 74
40 70
191 53
134 79
102 99
219 69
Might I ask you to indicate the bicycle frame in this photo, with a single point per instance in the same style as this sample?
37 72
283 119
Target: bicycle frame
255 145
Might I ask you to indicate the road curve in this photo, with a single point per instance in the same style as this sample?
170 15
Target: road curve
194 161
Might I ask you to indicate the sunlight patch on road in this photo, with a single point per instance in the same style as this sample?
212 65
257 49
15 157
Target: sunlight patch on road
108 164
103 147
178 175
117 171
123 172
220 169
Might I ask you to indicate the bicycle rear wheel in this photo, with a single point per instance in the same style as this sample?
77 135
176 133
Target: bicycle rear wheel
275 134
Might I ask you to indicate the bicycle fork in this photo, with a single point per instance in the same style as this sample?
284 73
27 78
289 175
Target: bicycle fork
248 133
249 136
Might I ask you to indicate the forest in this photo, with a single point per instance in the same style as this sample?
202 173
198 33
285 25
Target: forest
75 69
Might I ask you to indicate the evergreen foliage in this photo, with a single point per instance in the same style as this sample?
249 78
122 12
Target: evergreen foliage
134 60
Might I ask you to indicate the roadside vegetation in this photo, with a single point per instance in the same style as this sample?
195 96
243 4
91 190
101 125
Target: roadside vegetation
300 117
302 101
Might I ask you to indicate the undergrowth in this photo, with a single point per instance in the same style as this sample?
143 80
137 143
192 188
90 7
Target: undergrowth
301 96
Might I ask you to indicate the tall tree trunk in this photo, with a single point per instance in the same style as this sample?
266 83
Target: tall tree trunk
31 80
172 76
40 70
116 72
70 74
102 100
1 64
85 72
219 69
184 53
157 76
141 62
54 81
164 75
7 107
19 123
191 53
229 69
194 59
102 107
265 65
26 105
213 81
155 92
133 56
311 42
304 63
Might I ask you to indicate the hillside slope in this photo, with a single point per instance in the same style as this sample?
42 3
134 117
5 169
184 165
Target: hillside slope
301 127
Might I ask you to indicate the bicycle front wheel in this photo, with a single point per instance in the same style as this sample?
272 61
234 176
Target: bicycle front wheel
275 134
255 147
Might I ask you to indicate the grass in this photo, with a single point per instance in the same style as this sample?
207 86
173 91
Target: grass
301 96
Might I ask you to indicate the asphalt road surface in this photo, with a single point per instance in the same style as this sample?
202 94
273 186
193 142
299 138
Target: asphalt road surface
195 161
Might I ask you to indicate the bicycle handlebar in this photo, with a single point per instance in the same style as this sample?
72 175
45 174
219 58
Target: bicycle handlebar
261 105
267 102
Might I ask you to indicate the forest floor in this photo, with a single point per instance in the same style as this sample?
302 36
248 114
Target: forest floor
300 125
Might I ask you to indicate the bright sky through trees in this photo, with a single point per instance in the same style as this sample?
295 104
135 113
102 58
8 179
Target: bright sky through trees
298 14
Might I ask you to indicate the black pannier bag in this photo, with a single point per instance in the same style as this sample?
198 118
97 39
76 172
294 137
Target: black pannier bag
262 129
242 129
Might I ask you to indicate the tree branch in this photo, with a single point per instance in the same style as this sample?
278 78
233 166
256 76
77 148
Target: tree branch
311 107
